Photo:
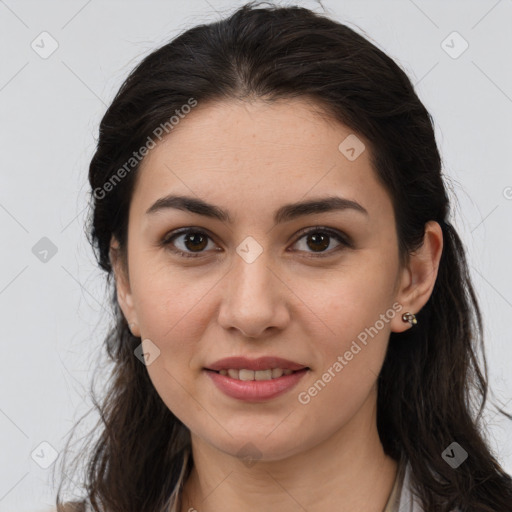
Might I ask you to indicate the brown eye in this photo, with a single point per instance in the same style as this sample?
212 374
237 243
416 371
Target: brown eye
188 242
195 241
318 240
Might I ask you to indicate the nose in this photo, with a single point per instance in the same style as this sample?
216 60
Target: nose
254 299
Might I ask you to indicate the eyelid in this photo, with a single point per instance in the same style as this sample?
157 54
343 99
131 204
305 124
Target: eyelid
334 233
342 238
169 237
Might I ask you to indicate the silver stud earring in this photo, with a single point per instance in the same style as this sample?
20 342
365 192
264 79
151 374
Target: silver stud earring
410 317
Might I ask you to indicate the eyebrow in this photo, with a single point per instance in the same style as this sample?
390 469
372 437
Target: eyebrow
283 214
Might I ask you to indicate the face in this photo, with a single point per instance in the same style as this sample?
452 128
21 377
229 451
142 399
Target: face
308 286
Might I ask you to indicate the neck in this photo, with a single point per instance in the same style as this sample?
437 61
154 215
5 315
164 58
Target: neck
349 471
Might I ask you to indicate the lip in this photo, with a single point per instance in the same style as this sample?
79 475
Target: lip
262 363
255 390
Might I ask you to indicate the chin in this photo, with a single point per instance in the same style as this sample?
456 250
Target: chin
257 446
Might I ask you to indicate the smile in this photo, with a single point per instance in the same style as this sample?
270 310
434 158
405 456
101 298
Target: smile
244 374
255 385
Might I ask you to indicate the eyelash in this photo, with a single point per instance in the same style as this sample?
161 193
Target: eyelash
339 237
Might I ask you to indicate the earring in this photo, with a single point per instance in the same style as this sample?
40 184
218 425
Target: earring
410 317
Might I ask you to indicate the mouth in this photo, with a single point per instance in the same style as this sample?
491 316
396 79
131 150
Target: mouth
255 386
255 380
245 374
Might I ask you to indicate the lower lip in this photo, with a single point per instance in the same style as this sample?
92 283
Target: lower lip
255 390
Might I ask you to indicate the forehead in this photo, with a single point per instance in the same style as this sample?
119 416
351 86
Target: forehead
256 155
282 130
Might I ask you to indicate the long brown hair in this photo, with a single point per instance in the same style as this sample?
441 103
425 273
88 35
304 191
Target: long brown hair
433 385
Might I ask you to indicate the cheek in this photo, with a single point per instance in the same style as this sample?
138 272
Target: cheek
349 358
355 309
168 300
349 300
171 313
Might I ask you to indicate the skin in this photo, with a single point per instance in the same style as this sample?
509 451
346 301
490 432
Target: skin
251 158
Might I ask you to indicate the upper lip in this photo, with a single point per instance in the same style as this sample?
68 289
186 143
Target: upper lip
262 363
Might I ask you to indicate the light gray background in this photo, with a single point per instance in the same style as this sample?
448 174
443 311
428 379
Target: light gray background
53 313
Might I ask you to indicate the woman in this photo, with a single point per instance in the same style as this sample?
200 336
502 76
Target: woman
297 329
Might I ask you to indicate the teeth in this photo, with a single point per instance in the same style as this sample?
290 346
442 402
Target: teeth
276 373
244 374
233 374
263 375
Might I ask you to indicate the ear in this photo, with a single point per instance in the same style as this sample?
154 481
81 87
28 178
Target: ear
124 296
418 277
